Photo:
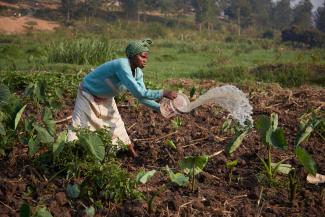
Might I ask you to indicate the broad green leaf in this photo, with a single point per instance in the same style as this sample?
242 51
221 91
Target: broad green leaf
262 125
178 178
231 164
28 125
196 163
282 168
24 210
47 115
73 191
18 115
93 144
43 135
90 211
59 143
2 129
58 92
33 146
306 160
143 176
304 133
235 142
278 140
42 212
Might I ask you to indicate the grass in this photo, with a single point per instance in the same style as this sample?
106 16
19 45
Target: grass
197 56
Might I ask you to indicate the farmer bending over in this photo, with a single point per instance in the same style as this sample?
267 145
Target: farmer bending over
95 106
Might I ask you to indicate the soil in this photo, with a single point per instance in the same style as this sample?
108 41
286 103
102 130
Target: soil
199 134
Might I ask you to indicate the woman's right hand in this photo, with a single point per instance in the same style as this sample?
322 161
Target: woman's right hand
170 94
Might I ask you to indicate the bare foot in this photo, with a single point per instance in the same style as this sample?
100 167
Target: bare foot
132 151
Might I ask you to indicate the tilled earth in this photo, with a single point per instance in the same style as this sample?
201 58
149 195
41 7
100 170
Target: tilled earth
200 133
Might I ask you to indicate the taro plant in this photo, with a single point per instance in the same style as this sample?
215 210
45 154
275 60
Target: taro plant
192 166
271 136
230 165
176 123
11 110
175 178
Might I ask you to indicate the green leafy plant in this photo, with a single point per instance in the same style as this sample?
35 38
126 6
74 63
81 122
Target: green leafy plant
272 136
230 165
171 144
236 141
192 166
11 110
177 123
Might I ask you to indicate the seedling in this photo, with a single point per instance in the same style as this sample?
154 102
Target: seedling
192 166
272 136
171 144
230 165
177 123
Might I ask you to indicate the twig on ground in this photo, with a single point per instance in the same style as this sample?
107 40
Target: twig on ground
132 126
216 153
171 156
155 139
9 207
64 119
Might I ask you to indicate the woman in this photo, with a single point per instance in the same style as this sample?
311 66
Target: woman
95 106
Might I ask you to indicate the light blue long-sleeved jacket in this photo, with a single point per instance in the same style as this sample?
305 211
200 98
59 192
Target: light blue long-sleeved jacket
114 76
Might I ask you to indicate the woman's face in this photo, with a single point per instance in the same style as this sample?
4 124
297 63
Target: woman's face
140 60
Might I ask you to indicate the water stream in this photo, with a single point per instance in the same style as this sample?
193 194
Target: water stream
228 97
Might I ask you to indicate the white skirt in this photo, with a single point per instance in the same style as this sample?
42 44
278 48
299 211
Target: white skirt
96 115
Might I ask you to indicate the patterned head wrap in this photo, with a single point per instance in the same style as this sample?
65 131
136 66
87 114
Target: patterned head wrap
136 47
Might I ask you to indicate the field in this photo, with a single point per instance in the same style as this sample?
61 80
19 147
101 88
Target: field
41 173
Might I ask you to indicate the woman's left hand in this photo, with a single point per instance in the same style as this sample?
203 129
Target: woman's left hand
170 94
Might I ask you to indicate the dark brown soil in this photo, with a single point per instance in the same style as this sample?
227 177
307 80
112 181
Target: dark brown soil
199 134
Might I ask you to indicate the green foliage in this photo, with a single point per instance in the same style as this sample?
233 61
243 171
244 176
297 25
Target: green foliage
235 142
306 160
144 176
82 51
306 127
270 133
73 191
177 123
42 212
171 144
24 210
178 178
193 165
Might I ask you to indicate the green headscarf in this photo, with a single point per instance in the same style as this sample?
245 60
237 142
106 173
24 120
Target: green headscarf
136 47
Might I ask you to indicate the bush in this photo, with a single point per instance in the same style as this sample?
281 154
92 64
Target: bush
311 38
269 34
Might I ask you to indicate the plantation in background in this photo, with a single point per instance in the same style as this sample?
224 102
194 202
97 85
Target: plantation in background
196 164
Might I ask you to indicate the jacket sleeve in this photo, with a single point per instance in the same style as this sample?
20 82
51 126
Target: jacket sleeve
147 102
124 74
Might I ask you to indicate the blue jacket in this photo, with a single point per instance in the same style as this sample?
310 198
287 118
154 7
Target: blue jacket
112 77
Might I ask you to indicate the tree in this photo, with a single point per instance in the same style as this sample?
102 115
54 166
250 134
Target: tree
241 11
68 7
262 12
320 18
302 14
131 8
205 12
281 14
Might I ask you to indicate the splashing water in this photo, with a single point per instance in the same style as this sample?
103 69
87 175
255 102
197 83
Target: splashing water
229 98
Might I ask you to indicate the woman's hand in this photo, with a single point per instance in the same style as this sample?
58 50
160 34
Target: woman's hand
170 94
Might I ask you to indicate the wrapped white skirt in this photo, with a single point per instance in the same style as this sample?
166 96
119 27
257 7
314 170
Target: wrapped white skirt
96 115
